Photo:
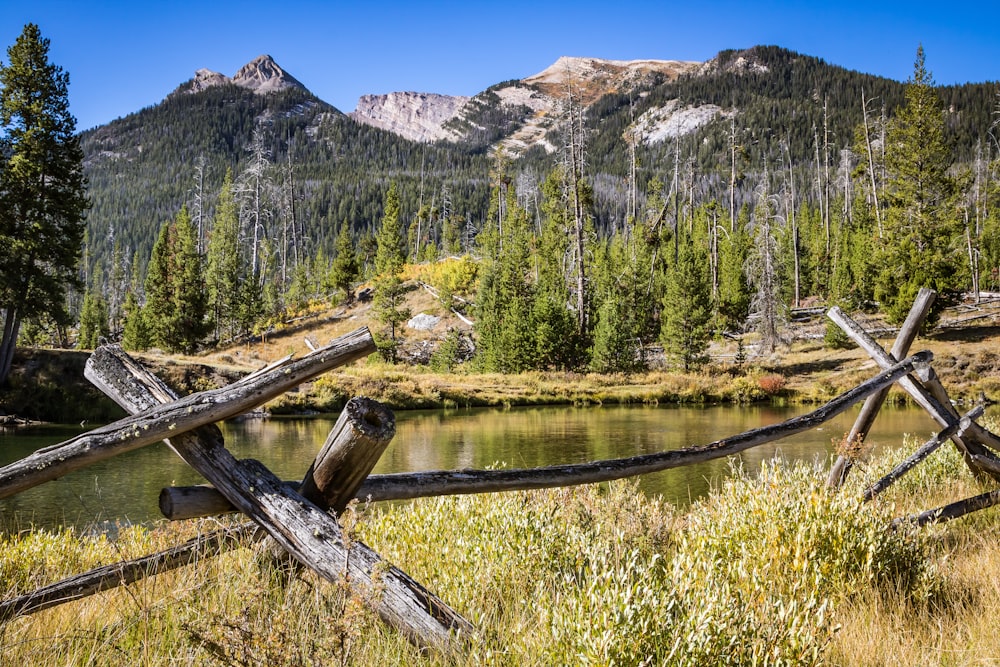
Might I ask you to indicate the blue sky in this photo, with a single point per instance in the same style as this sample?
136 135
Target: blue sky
123 56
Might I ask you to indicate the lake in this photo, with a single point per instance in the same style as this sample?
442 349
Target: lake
125 488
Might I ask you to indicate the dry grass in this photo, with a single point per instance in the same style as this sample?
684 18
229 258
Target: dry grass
770 565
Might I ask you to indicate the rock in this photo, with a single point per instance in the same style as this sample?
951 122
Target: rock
423 322
416 116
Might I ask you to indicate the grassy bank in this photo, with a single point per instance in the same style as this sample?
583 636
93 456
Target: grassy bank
768 568
48 385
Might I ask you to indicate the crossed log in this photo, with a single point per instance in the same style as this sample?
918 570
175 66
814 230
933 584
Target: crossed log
299 524
976 443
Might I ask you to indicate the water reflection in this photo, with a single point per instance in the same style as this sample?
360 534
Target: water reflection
126 488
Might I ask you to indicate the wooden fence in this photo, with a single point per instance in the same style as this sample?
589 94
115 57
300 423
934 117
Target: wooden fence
300 517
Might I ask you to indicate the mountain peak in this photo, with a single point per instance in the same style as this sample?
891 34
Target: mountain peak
263 75
592 77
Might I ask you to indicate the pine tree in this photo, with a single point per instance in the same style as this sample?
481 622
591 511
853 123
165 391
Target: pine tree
225 266
387 299
687 311
136 335
555 326
345 268
923 245
734 291
176 301
624 312
135 330
504 303
93 314
42 189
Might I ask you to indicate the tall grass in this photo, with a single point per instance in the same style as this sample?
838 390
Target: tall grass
770 568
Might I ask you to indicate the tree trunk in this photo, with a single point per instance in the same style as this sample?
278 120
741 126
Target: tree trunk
871 164
12 326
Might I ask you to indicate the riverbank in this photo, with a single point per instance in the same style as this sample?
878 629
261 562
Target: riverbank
48 385
769 565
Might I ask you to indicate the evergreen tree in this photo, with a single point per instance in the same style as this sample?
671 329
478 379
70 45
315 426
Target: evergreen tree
301 289
615 340
504 304
135 335
226 267
345 269
42 189
555 326
387 298
923 245
93 315
687 312
734 290
624 314
176 302
135 331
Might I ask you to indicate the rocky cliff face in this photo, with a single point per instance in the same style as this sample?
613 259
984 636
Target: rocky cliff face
536 101
415 116
588 79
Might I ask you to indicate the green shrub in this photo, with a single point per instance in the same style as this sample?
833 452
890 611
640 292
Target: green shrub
586 576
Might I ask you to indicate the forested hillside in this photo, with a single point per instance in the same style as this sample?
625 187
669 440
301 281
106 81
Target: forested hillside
606 237
321 168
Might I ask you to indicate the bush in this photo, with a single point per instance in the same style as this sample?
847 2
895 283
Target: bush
772 384
585 576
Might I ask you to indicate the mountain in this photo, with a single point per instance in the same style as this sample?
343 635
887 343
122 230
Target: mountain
261 75
327 168
517 114
322 168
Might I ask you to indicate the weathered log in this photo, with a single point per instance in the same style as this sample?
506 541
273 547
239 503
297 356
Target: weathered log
352 449
943 413
923 452
179 416
189 502
124 573
869 411
988 464
950 511
977 432
302 529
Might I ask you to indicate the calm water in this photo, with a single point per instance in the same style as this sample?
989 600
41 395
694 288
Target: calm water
125 488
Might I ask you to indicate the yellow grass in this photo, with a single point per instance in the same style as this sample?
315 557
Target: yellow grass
770 565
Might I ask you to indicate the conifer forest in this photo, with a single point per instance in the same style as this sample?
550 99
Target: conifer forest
212 217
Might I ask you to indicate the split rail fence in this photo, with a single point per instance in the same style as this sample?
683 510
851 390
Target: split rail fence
300 517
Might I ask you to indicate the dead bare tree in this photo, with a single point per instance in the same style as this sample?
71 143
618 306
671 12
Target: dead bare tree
871 163
763 269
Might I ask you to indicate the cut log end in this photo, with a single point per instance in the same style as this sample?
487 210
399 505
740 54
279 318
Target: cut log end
371 418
